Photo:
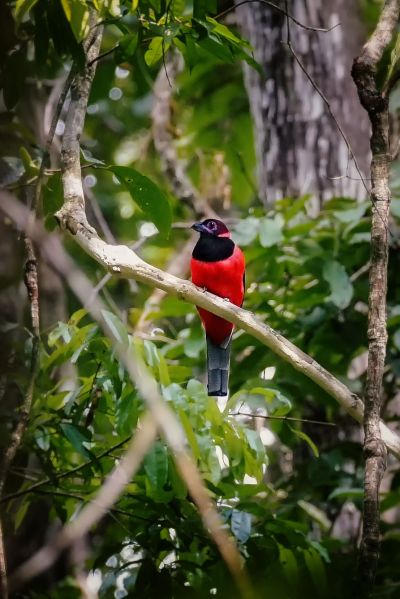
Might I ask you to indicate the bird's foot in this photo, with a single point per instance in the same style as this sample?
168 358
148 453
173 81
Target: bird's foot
226 299
204 289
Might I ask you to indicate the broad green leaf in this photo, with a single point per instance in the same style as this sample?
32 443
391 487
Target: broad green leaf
241 525
202 7
271 231
77 13
316 514
126 412
158 46
147 195
245 232
353 214
126 48
307 439
343 493
21 8
77 436
156 465
316 568
289 565
341 287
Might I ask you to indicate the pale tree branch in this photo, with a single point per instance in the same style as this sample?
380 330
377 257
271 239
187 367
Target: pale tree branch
122 261
376 104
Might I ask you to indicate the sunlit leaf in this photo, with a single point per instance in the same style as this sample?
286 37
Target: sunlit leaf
147 195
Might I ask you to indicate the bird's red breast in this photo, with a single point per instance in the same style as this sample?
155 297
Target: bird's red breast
224 278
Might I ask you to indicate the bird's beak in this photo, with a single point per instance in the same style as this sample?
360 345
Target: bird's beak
199 227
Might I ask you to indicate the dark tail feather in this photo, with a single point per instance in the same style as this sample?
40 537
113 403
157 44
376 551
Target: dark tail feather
218 357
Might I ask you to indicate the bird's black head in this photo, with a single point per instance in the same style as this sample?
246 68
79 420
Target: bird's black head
212 227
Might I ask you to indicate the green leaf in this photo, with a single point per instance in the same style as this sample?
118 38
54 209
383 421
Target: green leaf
202 7
21 8
307 439
341 287
126 412
271 231
158 46
126 48
289 565
316 568
117 327
241 525
147 195
353 214
77 13
77 436
156 465
394 58
316 514
245 232
345 493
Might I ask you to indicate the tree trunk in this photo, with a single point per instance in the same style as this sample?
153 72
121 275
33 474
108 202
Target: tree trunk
299 148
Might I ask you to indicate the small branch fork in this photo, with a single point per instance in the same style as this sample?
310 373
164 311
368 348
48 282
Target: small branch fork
376 104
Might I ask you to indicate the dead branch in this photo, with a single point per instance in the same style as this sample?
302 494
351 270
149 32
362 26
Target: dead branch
376 104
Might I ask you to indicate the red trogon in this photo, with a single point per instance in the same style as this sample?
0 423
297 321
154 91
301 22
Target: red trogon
218 265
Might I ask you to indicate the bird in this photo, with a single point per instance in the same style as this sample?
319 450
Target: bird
217 265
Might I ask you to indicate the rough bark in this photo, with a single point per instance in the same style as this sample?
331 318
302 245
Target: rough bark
298 146
377 106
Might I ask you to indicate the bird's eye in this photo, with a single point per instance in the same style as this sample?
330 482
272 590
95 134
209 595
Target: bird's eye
212 224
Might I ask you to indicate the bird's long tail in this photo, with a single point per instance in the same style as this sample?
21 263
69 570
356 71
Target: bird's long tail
218 357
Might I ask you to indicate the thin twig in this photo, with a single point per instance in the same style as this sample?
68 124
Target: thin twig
60 475
278 9
290 418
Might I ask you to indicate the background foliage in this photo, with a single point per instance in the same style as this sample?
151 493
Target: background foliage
289 491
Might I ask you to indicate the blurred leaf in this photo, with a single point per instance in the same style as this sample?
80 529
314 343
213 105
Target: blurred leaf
341 287
126 48
77 436
156 465
147 196
22 7
77 13
316 568
241 525
117 327
271 231
157 48
307 439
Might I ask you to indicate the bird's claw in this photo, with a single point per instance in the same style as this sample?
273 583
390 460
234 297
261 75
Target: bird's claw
226 299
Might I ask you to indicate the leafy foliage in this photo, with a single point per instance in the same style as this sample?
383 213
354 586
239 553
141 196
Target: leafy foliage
283 487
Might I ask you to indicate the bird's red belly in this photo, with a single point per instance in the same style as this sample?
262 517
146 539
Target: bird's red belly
225 279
